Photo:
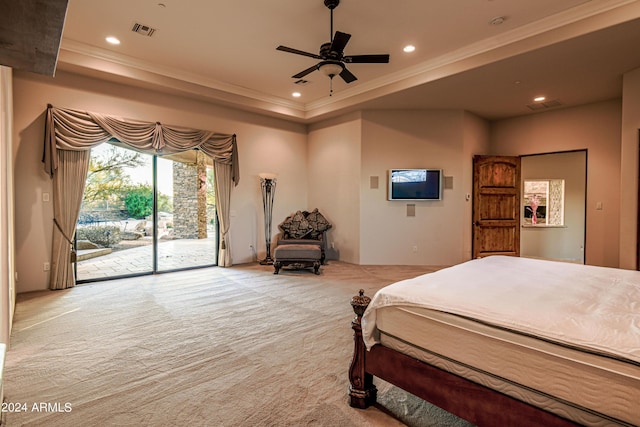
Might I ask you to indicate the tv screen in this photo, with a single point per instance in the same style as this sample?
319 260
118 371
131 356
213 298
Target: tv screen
415 184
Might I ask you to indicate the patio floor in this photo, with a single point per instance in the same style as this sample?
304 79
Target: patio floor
172 254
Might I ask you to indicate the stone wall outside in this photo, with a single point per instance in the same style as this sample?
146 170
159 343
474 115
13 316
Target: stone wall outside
190 199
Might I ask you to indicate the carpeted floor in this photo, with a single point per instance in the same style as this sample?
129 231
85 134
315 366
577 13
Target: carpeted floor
215 347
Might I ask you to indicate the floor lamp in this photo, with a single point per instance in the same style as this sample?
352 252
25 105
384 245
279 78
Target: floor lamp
268 188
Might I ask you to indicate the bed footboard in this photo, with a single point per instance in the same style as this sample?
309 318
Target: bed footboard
362 392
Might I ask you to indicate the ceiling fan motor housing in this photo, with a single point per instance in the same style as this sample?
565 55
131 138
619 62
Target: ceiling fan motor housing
326 52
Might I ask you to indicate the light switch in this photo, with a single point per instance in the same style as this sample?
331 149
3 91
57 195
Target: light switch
45 197
599 206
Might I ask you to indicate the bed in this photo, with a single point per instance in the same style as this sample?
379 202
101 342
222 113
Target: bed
506 341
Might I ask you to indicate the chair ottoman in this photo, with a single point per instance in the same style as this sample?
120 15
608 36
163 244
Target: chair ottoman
297 256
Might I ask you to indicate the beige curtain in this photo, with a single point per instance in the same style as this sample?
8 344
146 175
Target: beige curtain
70 130
68 188
223 197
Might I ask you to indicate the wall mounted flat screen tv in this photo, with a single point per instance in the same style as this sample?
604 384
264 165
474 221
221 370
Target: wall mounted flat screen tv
415 184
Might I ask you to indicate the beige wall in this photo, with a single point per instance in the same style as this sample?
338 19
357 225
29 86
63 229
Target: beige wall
264 145
346 153
629 169
334 181
411 139
596 128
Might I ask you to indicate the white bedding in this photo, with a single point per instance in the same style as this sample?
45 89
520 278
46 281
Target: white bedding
592 308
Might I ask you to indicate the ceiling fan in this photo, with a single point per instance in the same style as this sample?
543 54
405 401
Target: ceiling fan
331 56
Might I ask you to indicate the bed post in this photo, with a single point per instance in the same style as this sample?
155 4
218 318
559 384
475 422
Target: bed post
361 389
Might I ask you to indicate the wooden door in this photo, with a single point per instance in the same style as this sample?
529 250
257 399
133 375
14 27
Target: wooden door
496 206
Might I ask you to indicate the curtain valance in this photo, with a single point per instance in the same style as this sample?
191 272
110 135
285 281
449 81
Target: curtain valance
75 130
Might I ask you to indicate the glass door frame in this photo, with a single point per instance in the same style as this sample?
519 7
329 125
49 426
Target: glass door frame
154 265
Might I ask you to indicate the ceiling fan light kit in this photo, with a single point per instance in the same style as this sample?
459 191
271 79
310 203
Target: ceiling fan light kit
331 55
330 68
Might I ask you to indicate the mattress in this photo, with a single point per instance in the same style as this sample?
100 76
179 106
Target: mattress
594 308
591 389
561 336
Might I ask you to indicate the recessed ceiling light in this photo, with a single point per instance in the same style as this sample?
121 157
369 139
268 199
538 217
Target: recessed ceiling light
539 98
409 48
112 40
296 94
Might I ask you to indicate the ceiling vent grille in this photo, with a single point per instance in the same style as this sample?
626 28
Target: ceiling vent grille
544 105
301 82
145 30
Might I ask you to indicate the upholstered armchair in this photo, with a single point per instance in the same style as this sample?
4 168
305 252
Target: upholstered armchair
304 228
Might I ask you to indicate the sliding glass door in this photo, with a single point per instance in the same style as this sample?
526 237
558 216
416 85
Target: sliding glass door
186 212
144 214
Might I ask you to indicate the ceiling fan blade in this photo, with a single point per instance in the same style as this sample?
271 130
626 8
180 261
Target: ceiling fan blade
347 76
301 74
340 40
366 59
298 52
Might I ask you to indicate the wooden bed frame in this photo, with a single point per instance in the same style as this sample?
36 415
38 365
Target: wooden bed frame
473 402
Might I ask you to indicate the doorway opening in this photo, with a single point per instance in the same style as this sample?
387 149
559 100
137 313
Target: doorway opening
559 230
145 214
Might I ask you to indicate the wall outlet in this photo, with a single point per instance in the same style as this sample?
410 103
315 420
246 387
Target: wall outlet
46 266
415 248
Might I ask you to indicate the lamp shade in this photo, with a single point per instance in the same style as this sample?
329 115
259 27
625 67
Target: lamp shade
268 175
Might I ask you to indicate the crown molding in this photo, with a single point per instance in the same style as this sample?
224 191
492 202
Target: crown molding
84 55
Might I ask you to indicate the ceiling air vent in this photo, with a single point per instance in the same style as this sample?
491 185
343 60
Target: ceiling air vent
301 82
145 30
544 105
